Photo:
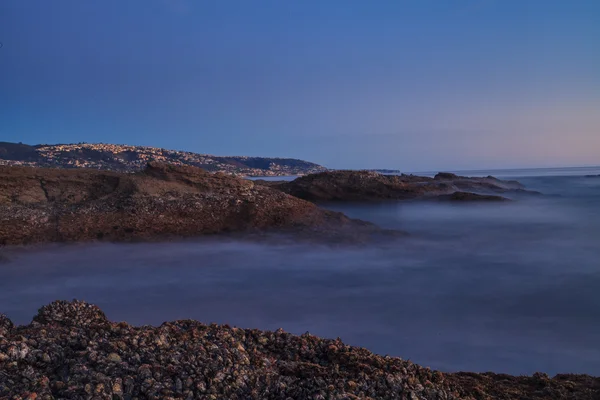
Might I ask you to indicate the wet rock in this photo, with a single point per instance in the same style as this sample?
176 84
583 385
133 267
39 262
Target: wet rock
5 325
70 313
220 362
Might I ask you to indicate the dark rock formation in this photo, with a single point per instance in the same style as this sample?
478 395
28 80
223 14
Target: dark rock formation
71 351
446 176
6 325
467 196
372 186
540 386
269 183
487 184
75 313
592 176
359 186
55 205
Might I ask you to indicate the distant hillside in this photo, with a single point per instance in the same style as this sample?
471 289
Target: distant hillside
125 158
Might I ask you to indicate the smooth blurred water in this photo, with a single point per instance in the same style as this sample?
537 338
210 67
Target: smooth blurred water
511 287
524 172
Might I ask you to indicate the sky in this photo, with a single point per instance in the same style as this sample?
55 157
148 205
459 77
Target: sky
405 84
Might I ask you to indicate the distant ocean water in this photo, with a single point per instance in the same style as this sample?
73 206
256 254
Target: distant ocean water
499 173
510 287
522 172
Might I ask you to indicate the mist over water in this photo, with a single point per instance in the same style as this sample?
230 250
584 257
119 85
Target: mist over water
511 287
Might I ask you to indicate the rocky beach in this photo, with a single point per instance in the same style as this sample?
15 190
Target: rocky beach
72 351
299 200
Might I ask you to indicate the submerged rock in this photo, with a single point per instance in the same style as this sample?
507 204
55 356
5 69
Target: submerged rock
467 196
62 355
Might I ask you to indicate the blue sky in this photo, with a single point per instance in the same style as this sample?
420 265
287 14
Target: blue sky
414 85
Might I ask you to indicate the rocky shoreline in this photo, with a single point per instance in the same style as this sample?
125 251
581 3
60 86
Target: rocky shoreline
41 205
72 351
368 186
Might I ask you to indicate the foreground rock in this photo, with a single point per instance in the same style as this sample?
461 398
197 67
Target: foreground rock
57 205
71 351
372 186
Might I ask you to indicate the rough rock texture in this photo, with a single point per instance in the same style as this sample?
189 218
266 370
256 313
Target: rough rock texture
372 186
537 387
56 205
71 351
488 184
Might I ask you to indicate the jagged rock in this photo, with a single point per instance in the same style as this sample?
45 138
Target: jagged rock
5 325
70 313
161 202
372 186
68 359
358 186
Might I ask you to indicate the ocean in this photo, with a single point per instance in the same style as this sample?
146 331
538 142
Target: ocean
504 287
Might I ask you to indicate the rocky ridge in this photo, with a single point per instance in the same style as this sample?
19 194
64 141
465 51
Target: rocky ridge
72 351
125 158
372 186
59 205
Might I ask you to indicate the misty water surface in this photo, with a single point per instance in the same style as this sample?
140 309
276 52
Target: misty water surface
504 287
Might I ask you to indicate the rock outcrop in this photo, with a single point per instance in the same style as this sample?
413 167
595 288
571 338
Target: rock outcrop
468 197
372 186
487 184
58 205
72 351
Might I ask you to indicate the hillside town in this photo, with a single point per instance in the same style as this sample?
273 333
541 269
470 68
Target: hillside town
127 158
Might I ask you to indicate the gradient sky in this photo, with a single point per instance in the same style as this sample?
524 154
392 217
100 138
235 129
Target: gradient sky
414 85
